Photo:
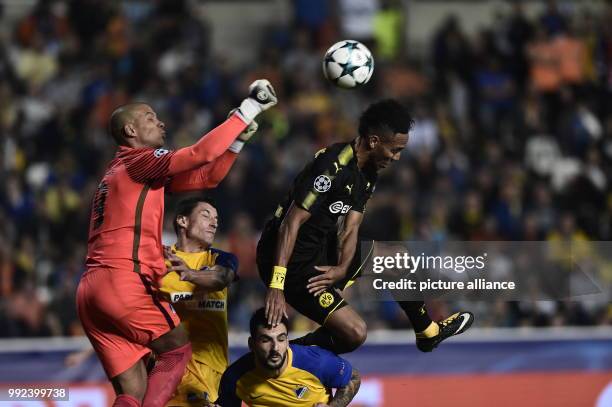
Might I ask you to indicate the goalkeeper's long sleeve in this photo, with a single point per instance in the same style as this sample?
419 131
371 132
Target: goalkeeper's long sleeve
208 148
205 177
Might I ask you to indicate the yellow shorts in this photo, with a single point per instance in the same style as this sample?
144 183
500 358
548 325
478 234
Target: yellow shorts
200 383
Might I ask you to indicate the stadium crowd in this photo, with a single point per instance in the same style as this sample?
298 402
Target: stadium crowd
512 141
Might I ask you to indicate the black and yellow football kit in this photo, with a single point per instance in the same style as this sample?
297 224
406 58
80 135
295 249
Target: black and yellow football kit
310 375
329 187
204 315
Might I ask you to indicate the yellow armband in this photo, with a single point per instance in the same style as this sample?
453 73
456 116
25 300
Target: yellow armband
278 277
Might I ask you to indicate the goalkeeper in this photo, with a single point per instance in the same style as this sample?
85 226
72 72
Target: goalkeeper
116 297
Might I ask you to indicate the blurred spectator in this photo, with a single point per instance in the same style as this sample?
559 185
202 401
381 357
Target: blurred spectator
313 16
572 58
552 19
495 89
544 60
424 136
356 18
389 30
518 31
242 240
451 53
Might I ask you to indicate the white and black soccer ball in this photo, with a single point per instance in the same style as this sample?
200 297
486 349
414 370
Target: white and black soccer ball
348 64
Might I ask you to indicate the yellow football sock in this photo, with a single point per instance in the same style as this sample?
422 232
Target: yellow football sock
432 330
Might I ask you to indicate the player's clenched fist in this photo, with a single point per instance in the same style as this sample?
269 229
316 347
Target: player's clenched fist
261 97
262 91
176 264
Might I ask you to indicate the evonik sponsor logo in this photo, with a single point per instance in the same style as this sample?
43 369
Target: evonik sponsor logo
339 207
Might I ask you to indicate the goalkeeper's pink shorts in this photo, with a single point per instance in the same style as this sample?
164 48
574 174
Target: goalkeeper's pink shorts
121 314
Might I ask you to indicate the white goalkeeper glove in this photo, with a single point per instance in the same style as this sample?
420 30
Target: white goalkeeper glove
261 97
244 136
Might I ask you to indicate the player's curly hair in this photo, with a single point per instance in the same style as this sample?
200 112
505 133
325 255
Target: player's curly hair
259 319
187 205
384 117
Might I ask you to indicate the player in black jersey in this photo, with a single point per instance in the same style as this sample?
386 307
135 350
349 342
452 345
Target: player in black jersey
293 254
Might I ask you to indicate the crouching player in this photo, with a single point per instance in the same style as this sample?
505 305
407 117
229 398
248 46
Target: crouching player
278 374
197 288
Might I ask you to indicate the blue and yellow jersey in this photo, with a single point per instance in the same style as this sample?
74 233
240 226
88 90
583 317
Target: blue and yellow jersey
203 314
310 375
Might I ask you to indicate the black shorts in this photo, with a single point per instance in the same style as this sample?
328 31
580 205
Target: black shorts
299 271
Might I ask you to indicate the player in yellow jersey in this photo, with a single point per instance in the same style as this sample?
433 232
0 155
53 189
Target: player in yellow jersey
277 374
197 288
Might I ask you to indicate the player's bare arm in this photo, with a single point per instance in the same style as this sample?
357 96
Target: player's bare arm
347 238
347 244
288 231
212 279
287 234
345 394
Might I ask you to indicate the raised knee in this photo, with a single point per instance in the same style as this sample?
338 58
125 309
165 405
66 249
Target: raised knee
357 334
361 332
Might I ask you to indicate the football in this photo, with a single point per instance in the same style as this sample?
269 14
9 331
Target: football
348 64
